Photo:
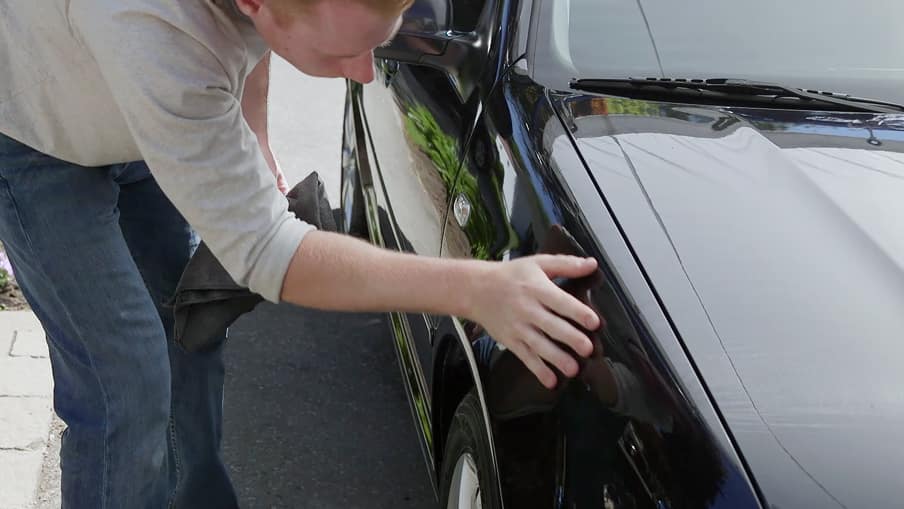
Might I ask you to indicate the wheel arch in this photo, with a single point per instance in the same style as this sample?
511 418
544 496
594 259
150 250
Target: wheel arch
456 373
453 380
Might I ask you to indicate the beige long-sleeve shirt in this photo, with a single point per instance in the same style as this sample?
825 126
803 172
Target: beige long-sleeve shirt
99 82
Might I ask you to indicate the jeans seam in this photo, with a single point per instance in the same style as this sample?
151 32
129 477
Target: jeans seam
177 461
103 390
105 495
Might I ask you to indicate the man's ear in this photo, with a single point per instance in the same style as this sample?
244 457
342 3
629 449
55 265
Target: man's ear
249 7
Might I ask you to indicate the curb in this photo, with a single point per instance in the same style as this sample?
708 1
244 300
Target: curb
26 393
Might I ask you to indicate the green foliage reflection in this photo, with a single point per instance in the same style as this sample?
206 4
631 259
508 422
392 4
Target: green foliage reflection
442 149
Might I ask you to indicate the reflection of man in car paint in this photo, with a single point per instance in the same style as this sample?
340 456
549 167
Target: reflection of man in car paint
637 422
626 436
125 121
622 391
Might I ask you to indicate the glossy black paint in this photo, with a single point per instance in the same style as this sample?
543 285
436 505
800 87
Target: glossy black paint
582 444
658 416
771 240
561 456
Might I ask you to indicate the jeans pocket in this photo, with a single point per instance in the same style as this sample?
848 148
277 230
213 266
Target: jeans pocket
10 148
16 156
12 230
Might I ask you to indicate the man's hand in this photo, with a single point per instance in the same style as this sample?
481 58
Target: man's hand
516 301
521 308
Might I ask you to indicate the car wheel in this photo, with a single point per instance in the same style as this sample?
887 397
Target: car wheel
468 478
353 220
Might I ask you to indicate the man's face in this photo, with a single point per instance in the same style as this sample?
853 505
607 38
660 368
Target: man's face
334 39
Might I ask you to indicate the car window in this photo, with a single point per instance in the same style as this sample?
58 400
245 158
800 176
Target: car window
834 45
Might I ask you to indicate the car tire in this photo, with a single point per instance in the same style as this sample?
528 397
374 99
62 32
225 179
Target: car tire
468 479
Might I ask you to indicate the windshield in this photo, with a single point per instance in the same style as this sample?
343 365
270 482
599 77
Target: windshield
832 45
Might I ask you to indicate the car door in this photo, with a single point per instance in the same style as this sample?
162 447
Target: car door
416 120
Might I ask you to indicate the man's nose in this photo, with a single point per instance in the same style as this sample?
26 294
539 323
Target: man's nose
360 69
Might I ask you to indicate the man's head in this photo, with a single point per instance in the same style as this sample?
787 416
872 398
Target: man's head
328 38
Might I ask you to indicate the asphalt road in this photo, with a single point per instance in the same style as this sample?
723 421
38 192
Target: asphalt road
315 415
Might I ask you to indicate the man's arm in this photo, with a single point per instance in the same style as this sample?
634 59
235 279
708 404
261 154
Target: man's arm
254 109
515 301
191 132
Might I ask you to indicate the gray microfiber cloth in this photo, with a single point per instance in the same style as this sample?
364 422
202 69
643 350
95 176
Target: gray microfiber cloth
207 301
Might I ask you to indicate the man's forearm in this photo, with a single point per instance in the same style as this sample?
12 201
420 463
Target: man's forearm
516 302
332 271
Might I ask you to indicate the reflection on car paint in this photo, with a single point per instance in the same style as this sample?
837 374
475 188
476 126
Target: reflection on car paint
622 436
762 210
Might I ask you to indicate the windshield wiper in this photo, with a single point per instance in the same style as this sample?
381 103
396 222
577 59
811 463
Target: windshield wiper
732 91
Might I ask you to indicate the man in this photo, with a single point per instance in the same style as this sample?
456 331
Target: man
119 118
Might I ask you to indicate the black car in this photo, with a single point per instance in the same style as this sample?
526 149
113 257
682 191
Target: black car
737 168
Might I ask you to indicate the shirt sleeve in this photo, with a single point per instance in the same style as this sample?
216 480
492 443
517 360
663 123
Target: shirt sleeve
177 86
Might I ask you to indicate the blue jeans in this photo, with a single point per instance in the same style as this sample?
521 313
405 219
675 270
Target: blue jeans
96 252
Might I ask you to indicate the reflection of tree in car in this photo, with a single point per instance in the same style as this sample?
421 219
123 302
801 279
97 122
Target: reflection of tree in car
624 106
421 406
637 108
441 148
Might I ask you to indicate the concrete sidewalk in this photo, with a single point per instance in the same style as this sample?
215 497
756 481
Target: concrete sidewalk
26 389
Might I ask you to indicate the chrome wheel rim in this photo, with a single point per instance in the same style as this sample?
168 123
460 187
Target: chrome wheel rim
464 490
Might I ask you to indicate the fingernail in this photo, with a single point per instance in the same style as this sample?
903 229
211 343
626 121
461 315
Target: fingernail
572 370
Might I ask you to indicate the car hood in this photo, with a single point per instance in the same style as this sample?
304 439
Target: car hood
775 241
